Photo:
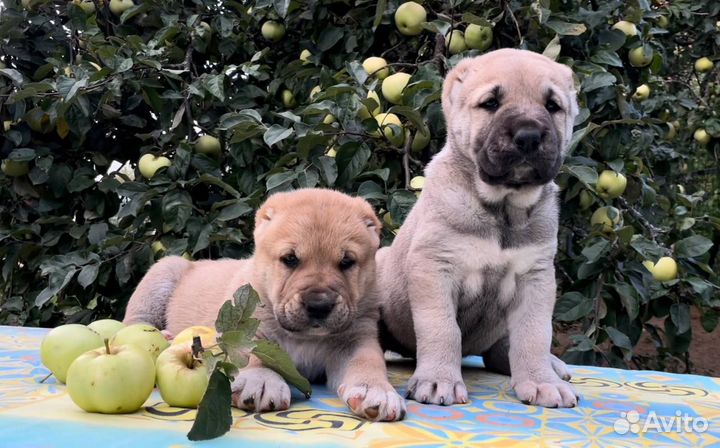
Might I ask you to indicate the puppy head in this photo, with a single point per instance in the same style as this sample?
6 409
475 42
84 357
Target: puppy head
512 111
314 260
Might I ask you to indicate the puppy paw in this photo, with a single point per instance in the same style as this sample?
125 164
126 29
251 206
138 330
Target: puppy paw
437 389
560 368
550 394
260 390
379 402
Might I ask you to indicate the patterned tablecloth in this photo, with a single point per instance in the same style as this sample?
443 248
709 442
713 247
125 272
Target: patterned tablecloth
618 408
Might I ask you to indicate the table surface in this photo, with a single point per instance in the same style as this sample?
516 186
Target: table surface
34 414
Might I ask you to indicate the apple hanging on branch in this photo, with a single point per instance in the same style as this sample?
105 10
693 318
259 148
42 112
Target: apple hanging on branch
235 344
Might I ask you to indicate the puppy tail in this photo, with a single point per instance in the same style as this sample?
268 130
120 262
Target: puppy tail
148 303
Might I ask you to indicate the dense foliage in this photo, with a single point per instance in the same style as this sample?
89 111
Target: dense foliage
85 92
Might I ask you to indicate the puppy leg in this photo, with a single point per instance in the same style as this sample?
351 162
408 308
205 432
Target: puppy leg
149 301
533 377
497 360
257 388
360 379
438 377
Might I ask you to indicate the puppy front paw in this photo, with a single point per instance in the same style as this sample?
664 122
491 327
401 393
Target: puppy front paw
437 388
553 393
260 390
378 402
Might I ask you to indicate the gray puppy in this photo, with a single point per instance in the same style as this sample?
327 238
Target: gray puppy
471 270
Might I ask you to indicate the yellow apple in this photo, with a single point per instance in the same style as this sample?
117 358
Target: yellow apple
7 124
393 86
586 199
208 145
158 246
63 344
393 134
701 136
455 42
641 93
106 328
409 18
606 219
150 163
610 184
314 91
88 6
187 256
640 56
288 98
672 131
12 168
305 56
332 152
420 140
626 27
478 37
703 65
663 21
181 378
364 113
329 119
376 66
388 219
207 335
272 30
118 7
111 380
417 182
664 270
143 336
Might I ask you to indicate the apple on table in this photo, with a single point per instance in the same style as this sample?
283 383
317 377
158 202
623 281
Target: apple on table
63 344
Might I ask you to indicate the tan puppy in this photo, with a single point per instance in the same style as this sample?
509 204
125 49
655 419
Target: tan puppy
471 270
314 269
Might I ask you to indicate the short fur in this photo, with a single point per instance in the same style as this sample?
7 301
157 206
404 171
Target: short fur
471 270
321 228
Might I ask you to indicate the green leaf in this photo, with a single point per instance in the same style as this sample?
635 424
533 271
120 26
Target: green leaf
572 306
553 48
597 250
215 85
629 298
619 338
274 357
380 8
214 414
587 175
233 314
680 315
88 274
565 28
693 246
276 133
281 7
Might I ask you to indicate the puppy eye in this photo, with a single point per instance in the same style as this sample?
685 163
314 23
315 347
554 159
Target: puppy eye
346 263
552 107
490 105
291 261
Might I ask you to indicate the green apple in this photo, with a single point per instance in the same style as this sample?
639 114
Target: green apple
420 140
703 65
626 27
606 219
150 163
329 119
208 145
7 124
376 66
63 344
106 328
586 199
331 152
158 246
143 336
478 37
662 21
388 219
610 184
641 56
187 256
305 56
409 18
12 168
118 7
664 270
111 380
641 93
88 6
272 30
393 86
288 99
396 135
181 378
672 131
417 182
364 113
314 91
455 42
701 136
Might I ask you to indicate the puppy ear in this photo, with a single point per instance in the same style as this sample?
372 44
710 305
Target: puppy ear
263 217
452 86
372 223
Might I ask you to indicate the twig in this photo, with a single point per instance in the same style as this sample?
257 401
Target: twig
654 231
188 105
506 5
406 160
439 53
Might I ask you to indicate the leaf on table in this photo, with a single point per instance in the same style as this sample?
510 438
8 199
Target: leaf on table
234 314
214 416
275 358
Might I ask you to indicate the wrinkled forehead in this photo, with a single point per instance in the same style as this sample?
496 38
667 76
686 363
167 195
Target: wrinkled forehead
534 77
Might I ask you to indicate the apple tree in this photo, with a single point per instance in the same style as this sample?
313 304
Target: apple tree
134 129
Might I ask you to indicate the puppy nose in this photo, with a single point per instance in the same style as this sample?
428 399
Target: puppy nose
319 303
527 139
